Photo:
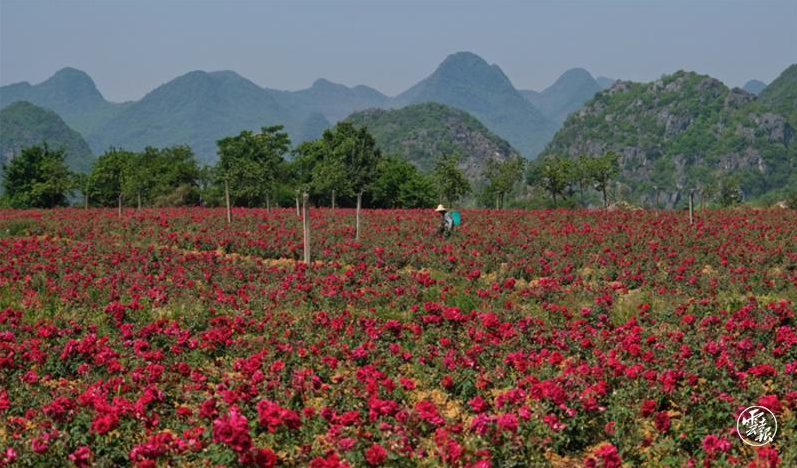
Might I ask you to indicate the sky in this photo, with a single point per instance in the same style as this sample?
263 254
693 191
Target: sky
130 47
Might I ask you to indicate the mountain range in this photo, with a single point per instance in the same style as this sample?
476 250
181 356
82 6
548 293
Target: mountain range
201 107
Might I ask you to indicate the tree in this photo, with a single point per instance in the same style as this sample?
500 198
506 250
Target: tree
502 177
552 174
253 164
729 191
582 177
107 180
450 181
602 170
37 178
344 159
398 184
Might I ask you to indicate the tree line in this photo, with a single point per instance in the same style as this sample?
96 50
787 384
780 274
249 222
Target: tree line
261 169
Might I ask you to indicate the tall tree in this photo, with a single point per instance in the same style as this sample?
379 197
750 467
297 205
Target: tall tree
37 178
602 171
398 184
502 177
344 159
451 182
108 177
253 164
552 174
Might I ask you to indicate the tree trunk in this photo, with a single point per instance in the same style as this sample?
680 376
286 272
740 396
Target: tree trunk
496 200
359 204
605 199
138 197
581 191
691 206
86 199
120 205
333 199
227 200
268 203
297 204
306 226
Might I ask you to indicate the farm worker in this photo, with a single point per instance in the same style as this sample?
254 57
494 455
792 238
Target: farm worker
446 221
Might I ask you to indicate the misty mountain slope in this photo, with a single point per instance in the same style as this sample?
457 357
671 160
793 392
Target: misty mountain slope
465 81
684 130
334 101
23 124
781 94
420 132
569 93
754 87
198 109
71 93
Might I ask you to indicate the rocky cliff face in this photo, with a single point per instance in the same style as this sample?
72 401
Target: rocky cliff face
682 131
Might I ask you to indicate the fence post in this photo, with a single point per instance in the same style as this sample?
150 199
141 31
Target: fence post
359 204
227 200
306 226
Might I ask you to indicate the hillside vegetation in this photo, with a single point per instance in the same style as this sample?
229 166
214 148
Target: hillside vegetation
688 131
23 124
418 133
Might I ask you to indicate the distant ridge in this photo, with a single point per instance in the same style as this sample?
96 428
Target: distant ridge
71 93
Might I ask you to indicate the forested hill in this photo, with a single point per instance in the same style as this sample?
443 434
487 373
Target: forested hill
688 130
420 132
466 81
23 124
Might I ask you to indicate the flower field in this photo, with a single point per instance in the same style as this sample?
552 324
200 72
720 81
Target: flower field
529 338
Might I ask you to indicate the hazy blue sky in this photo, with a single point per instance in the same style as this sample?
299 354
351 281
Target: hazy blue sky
130 47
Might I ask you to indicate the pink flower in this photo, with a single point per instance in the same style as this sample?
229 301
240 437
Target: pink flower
81 457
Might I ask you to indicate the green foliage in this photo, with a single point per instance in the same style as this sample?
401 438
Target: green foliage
37 178
106 182
451 182
398 184
155 177
253 165
552 174
729 191
344 159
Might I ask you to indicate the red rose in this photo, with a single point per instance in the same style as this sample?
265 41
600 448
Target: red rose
662 421
375 455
